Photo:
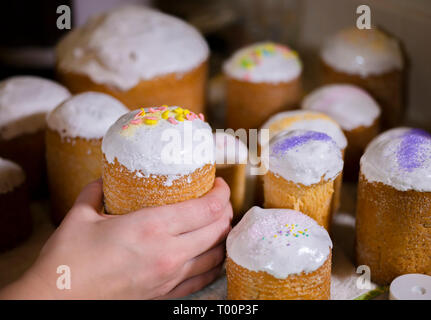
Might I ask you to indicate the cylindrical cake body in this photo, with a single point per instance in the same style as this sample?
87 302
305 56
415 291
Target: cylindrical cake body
235 176
250 104
393 231
72 163
125 191
185 89
393 219
314 200
243 284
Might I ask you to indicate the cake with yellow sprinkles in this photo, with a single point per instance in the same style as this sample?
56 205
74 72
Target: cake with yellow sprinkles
156 156
278 254
262 79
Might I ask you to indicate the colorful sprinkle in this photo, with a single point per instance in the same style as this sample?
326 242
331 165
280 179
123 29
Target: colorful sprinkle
172 120
154 115
201 116
298 140
136 121
410 154
165 114
256 55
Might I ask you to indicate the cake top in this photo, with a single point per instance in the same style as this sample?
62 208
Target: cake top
304 157
86 115
363 52
280 242
24 102
129 44
168 141
229 149
11 176
351 106
400 158
305 120
264 62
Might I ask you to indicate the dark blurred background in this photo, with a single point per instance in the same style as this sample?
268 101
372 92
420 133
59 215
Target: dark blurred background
29 33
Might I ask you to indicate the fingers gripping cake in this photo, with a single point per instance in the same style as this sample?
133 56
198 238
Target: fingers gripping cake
355 111
156 156
393 218
262 79
369 59
24 103
302 168
15 219
231 162
313 121
278 254
138 55
73 145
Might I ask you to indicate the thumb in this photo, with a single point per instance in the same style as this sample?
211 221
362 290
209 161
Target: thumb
90 198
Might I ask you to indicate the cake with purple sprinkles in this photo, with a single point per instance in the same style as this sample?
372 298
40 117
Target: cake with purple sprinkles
393 219
302 167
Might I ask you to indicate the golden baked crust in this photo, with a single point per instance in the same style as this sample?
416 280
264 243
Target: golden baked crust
393 231
235 177
72 163
314 200
244 284
186 90
124 192
250 104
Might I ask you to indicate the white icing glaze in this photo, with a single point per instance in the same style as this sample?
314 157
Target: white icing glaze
307 120
363 52
229 149
171 150
255 64
11 176
257 244
129 44
304 157
350 106
87 115
24 102
400 158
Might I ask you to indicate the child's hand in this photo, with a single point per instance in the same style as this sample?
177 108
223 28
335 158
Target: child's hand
161 252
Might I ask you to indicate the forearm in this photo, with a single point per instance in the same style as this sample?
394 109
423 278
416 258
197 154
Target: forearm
29 287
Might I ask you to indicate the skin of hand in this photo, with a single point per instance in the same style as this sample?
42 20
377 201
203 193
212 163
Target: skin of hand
153 253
